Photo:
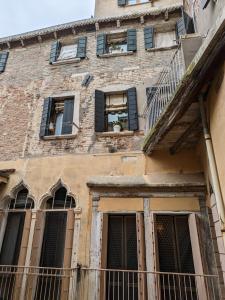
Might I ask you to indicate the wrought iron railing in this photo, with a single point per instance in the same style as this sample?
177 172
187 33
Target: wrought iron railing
103 284
160 95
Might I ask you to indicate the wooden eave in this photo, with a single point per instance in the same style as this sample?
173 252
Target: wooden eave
4 175
179 126
91 24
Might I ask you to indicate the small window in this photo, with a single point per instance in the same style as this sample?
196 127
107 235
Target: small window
57 117
116 112
116 43
68 52
165 39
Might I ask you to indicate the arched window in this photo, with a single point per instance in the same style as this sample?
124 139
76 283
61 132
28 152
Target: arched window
22 201
60 200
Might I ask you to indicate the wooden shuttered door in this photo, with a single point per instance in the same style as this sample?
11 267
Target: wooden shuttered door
131 40
55 51
99 111
132 108
101 44
67 125
46 112
149 37
3 60
121 2
81 47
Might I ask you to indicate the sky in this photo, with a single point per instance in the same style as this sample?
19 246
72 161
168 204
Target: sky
19 16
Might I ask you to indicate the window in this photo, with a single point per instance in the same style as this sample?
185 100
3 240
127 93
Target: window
57 117
130 2
3 60
117 43
116 111
67 52
157 39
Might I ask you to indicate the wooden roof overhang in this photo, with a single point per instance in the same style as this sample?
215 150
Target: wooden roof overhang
4 175
179 126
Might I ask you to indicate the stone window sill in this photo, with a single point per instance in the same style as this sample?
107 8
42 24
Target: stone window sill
66 61
106 55
59 137
115 134
140 3
162 48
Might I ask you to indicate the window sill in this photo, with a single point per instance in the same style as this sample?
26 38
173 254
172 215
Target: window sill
137 4
59 137
106 55
115 134
162 48
66 61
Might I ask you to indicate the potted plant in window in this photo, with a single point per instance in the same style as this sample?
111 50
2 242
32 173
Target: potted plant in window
117 126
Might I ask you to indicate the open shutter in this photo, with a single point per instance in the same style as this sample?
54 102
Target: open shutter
149 37
101 44
189 24
132 108
45 117
81 47
55 50
180 28
131 40
99 111
121 2
204 3
67 125
3 60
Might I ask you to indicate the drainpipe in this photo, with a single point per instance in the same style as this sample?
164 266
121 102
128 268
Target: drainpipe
212 164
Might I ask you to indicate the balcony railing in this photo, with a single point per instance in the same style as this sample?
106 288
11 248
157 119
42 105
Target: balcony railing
160 95
103 284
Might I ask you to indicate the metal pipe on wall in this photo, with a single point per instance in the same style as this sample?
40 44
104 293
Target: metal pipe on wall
212 163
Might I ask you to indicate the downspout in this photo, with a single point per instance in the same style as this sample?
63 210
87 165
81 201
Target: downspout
212 164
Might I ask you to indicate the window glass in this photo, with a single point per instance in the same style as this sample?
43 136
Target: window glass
68 52
117 43
58 123
165 39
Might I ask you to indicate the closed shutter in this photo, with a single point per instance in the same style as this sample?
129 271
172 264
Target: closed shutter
99 111
131 40
3 60
121 2
204 3
45 117
149 37
101 44
67 125
81 47
12 239
132 108
180 28
55 50
131 261
54 240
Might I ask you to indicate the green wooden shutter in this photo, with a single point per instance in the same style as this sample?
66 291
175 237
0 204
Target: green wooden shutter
149 37
180 28
3 60
101 44
132 108
81 47
204 3
45 117
67 125
131 40
121 2
99 111
55 50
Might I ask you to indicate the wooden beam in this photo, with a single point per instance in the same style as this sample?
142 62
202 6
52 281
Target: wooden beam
182 139
3 179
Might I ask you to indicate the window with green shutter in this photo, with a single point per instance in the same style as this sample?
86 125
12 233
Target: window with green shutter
184 25
3 60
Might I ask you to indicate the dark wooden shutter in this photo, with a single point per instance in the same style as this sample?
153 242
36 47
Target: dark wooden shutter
189 24
150 92
204 3
45 117
54 240
81 47
131 40
131 262
121 2
67 125
3 60
99 111
101 44
55 50
149 37
132 108
180 28
12 239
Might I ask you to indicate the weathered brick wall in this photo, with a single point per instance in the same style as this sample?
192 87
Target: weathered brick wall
29 78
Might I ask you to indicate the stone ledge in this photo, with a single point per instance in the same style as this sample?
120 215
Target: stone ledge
107 55
59 137
162 48
66 61
115 134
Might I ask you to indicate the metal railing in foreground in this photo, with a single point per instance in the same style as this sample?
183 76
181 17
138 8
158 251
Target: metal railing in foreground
160 95
103 284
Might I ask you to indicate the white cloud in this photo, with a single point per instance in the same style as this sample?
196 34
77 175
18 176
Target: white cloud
26 15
